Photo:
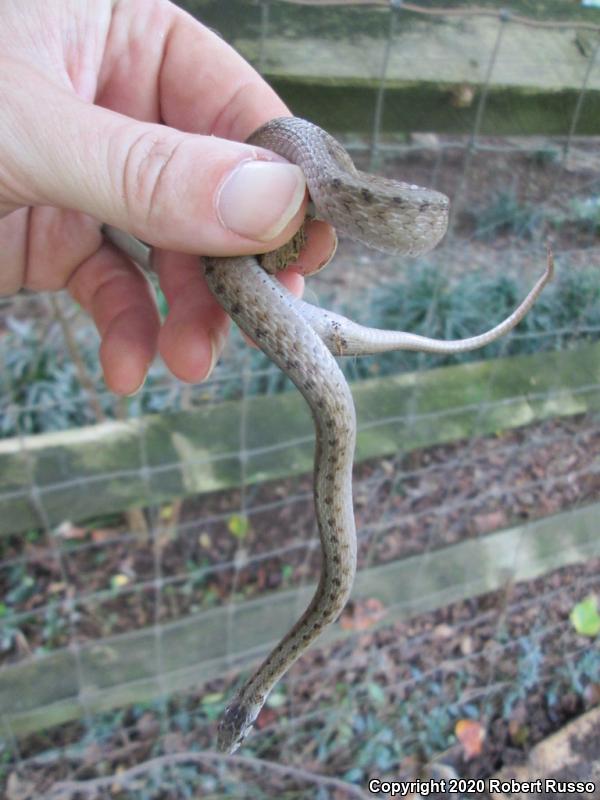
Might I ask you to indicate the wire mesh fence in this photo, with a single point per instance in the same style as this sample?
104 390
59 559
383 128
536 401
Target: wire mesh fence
154 548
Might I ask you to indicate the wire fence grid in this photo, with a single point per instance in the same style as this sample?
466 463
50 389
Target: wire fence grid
107 688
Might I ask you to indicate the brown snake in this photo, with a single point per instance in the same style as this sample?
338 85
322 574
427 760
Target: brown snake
300 338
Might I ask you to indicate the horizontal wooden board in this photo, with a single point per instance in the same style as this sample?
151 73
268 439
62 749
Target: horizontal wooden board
79 474
138 667
326 61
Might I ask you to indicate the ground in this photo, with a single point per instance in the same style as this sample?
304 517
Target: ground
384 695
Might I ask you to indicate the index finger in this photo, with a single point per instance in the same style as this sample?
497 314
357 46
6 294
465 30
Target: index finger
162 65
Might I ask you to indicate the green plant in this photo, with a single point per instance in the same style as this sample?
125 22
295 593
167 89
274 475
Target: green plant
507 214
39 390
584 212
9 634
56 625
584 671
529 665
22 585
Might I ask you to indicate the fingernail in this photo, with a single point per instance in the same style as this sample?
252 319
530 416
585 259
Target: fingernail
312 270
259 198
139 388
217 344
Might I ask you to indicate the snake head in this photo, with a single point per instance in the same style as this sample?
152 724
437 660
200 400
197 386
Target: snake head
235 724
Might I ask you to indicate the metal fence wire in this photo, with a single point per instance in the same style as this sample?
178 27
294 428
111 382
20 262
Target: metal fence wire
154 548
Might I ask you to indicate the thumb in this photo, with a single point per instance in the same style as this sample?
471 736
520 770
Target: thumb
178 191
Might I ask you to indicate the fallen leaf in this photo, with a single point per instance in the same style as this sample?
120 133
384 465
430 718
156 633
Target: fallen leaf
204 540
211 698
518 731
443 631
276 700
585 617
238 525
103 534
471 734
362 614
147 725
17 788
66 530
119 580
266 717
591 694
491 521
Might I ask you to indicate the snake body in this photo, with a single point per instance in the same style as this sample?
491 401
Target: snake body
263 311
300 338
387 215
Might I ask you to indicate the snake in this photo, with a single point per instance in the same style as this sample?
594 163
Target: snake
303 340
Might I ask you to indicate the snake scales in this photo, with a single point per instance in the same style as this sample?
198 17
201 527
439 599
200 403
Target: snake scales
302 340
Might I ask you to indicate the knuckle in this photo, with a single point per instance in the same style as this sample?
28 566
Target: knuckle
147 187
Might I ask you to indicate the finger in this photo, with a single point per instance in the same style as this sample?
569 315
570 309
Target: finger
185 192
13 249
175 70
194 332
320 247
58 241
121 302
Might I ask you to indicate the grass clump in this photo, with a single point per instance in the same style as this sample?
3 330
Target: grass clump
40 390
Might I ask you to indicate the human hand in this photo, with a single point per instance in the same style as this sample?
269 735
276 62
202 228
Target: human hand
83 84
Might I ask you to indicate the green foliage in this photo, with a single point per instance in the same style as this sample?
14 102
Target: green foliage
22 586
40 381
529 666
40 390
431 305
507 214
583 672
545 155
583 212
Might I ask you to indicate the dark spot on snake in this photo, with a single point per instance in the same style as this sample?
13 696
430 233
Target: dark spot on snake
330 521
367 195
236 308
219 287
328 500
209 269
336 183
259 333
336 559
398 200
